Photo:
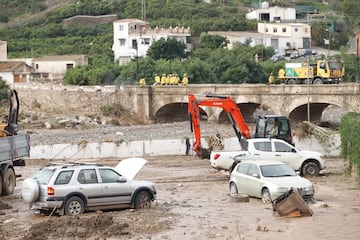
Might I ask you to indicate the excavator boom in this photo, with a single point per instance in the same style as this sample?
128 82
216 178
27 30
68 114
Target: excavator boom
227 104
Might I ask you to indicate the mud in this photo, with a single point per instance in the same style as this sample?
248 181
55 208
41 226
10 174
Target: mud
192 203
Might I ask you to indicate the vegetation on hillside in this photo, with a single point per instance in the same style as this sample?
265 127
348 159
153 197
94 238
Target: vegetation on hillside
46 35
350 140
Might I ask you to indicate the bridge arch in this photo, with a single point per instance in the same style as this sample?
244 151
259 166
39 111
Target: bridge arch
173 112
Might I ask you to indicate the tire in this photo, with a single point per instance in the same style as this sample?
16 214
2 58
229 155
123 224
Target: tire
317 81
74 206
291 81
233 189
143 200
310 169
30 190
265 196
9 183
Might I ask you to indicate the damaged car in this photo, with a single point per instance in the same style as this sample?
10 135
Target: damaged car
73 188
267 180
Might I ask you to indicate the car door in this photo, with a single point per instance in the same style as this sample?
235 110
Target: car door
88 184
254 183
115 188
286 153
263 150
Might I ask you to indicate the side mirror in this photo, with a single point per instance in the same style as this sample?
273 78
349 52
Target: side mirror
122 180
293 150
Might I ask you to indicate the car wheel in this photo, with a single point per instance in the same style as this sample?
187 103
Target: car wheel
310 169
143 200
233 189
74 206
9 182
317 81
291 81
30 190
265 196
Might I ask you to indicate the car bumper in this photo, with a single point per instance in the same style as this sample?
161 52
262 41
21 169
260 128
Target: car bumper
46 205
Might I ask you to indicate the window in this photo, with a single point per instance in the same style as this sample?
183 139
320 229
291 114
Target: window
305 30
284 30
243 168
134 44
266 30
87 176
109 176
296 29
274 30
263 146
63 177
282 147
253 170
121 28
69 66
146 41
122 42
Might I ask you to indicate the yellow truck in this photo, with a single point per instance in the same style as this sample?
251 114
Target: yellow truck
323 71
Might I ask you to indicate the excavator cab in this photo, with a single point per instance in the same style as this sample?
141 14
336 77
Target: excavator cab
266 124
9 123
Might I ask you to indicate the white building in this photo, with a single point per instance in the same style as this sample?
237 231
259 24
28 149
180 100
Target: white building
266 13
133 37
54 67
280 36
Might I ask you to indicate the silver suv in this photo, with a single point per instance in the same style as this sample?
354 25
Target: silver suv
73 188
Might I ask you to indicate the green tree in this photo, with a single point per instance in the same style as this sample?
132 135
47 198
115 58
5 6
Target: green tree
3 89
168 49
213 41
350 140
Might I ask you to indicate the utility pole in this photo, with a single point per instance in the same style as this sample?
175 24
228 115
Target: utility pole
143 10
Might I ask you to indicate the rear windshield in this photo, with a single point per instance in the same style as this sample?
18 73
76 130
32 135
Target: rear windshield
44 175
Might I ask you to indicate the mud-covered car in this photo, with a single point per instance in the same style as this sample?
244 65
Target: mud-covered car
72 188
267 180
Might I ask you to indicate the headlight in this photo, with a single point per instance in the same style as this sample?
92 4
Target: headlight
282 189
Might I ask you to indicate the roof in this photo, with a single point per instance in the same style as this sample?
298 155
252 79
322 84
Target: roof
7 66
243 34
131 20
59 58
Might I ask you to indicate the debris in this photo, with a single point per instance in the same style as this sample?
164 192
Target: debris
291 204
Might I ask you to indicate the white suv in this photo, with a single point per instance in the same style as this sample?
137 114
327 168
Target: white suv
71 189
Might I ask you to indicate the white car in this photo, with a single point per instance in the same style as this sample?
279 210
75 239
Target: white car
308 163
267 180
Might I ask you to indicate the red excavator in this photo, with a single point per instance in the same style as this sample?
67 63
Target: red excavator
263 125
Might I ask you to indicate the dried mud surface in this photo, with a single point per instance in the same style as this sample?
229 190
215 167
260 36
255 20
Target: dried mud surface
192 203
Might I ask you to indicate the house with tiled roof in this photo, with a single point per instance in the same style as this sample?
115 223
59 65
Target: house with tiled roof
12 72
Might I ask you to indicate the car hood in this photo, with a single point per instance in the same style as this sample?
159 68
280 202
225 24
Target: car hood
291 181
130 167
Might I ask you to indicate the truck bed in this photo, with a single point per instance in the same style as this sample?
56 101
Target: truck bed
14 147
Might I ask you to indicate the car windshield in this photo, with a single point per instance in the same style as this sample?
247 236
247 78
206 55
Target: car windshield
277 170
44 175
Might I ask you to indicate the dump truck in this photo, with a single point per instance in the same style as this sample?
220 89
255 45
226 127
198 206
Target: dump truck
14 146
323 71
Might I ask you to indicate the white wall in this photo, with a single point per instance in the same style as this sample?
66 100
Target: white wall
157 148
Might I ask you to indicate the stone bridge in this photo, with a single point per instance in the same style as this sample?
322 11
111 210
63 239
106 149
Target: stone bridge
169 103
